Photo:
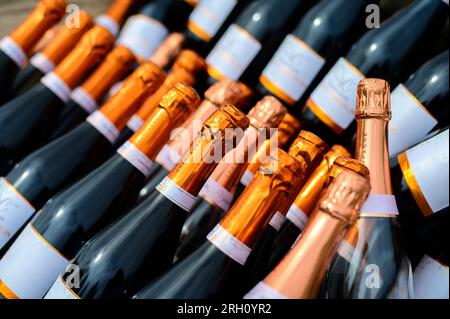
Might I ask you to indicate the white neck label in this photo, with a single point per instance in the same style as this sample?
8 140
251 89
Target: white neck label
168 158
217 194
136 158
55 84
176 194
246 178
85 100
14 51
229 245
379 205
135 123
104 126
42 63
108 23
297 216
264 291
277 221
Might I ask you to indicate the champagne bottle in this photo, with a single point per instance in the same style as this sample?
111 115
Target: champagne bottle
73 216
312 48
258 261
216 195
215 269
283 138
208 20
84 99
115 15
388 52
24 121
151 230
49 169
431 277
168 50
15 48
298 214
299 274
420 105
245 47
224 92
372 257
44 62
187 65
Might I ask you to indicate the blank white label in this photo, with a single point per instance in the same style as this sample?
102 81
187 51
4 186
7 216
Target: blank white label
430 280
229 245
31 265
135 123
233 53
135 156
55 84
15 211
216 193
84 99
277 221
296 216
168 157
42 63
108 23
379 205
104 126
176 194
410 120
59 290
14 51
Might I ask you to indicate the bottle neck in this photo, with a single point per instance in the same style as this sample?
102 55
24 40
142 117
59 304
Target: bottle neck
372 151
300 273
119 10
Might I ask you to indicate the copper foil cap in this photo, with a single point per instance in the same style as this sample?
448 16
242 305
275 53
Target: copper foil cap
44 16
287 129
168 50
190 61
267 113
66 39
94 45
345 196
373 100
181 96
119 9
341 164
228 91
227 117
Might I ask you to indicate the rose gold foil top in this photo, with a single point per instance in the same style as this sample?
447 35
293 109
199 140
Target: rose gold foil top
207 151
168 50
287 129
227 91
272 185
300 273
93 47
267 113
66 39
117 63
190 61
133 92
310 193
119 10
46 14
373 100
152 102
173 108
345 163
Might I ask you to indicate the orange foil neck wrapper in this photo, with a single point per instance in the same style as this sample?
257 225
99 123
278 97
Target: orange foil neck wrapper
250 215
287 129
133 92
67 38
311 191
173 108
299 275
120 9
93 47
45 15
151 104
168 50
117 63
373 100
209 148
190 61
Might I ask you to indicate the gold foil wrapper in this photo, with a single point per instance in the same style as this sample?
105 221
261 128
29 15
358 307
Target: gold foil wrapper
373 100
168 50
287 129
190 61
119 10
45 15
94 46
267 113
228 91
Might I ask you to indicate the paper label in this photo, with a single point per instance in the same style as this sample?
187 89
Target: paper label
229 245
264 291
84 99
55 84
292 69
297 216
233 53
176 194
379 205
135 123
31 265
135 156
104 126
142 35
431 280
42 63
217 194
168 158
108 23
426 171
208 16
277 221
246 178
15 211
14 51
60 290
410 120
334 99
